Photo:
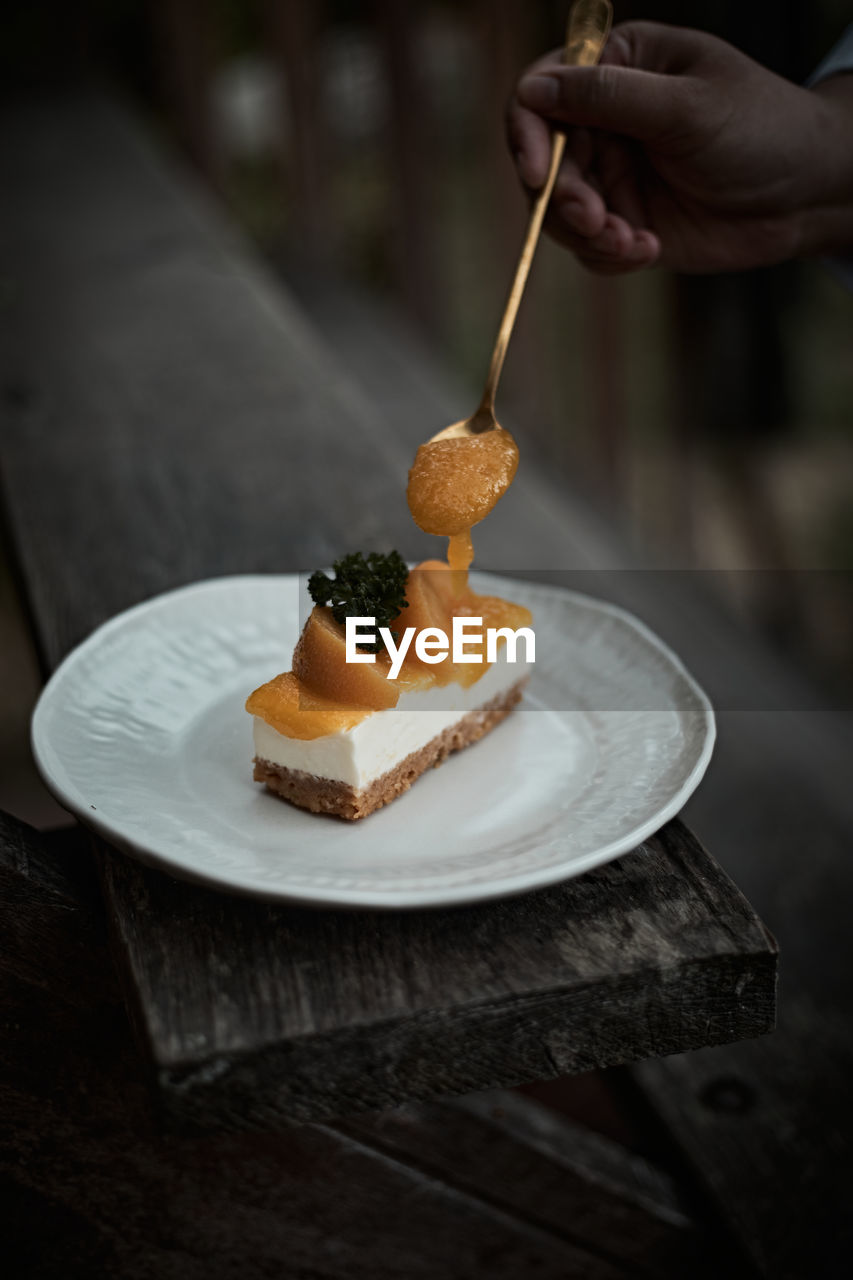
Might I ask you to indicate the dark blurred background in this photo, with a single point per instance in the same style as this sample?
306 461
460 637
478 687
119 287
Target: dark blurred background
361 147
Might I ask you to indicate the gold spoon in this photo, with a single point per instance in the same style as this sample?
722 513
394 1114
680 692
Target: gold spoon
462 471
588 29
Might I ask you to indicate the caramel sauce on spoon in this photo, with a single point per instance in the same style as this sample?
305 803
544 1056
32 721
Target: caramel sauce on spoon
455 483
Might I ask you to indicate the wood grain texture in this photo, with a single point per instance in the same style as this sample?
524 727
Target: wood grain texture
52 913
90 1187
586 1188
770 1128
254 1012
166 410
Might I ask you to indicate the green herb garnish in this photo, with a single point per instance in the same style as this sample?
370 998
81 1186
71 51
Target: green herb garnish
371 586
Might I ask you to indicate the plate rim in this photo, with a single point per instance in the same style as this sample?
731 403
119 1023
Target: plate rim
390 899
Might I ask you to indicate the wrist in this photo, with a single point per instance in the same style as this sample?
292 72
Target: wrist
827 222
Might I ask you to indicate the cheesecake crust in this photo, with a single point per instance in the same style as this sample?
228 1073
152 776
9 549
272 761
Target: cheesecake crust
326 795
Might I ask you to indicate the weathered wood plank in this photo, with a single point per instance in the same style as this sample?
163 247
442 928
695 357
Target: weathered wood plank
585 1188
183 40
51 912
90 1187
771 1127
295 34
254 1012
150 365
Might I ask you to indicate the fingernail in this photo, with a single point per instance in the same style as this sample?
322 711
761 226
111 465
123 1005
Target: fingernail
541 93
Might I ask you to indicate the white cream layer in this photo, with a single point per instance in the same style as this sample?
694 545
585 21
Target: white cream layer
360 755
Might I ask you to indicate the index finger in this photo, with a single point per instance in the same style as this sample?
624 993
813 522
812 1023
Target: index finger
529 134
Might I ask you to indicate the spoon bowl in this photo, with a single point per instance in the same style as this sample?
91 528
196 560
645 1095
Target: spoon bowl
483 420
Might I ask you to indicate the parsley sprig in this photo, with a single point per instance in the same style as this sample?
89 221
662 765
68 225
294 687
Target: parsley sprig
371 586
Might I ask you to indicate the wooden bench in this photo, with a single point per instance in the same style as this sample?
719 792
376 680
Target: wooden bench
154 380
491 1185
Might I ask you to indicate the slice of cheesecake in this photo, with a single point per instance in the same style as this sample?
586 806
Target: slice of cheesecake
345 739
361 767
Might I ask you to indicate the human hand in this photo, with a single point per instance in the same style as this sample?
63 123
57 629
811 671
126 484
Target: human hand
683 150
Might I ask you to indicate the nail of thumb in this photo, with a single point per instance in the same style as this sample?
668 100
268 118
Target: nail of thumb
539 93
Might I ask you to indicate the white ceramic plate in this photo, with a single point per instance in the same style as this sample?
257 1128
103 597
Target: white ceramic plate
142 734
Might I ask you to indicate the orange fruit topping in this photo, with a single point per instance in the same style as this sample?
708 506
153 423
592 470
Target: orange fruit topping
319 663
325 694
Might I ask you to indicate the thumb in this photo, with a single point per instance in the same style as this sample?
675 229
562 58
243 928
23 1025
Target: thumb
639 104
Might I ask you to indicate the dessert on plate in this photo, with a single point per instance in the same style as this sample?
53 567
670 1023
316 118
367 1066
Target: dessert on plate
344 738
350 728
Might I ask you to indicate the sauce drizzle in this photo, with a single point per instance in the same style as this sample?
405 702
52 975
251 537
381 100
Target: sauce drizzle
454 484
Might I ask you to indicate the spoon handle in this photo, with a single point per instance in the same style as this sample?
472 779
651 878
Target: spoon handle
588 29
